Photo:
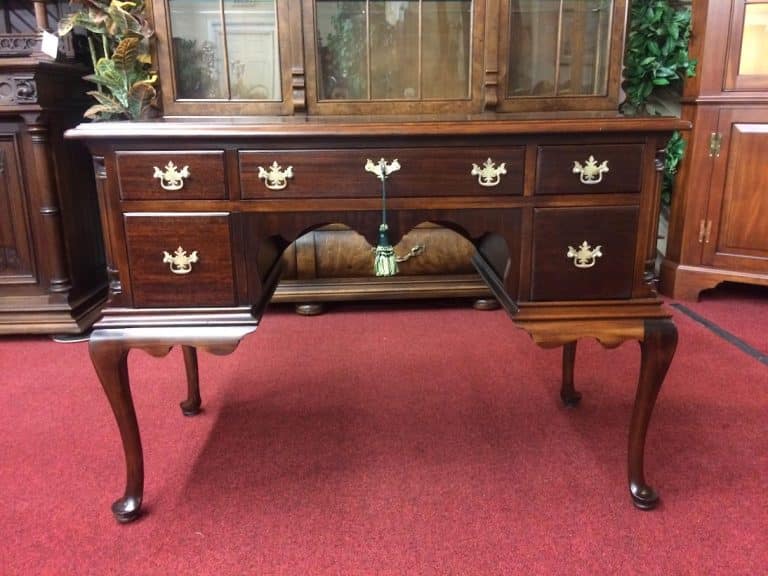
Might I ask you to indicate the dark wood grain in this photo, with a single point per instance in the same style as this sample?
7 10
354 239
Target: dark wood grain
205 182
424 172
554 275
554 172
211 281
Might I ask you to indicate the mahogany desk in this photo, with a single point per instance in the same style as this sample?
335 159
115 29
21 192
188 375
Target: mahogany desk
197 214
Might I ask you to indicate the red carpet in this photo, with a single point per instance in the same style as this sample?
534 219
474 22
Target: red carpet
741 309
386 442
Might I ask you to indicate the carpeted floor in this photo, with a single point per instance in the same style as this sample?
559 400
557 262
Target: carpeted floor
386 441
740 309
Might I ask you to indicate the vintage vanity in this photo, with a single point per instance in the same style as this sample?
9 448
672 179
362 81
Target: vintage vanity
502 115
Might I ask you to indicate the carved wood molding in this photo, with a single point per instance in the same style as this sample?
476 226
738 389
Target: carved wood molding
20 44
17 89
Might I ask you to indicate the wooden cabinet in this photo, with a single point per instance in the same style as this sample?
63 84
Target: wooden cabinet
517 149
718 227
52 275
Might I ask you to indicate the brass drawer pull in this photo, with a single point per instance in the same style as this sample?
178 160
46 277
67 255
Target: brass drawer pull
382 169
275 178
489 175
584 256
171 178
591 172
180 262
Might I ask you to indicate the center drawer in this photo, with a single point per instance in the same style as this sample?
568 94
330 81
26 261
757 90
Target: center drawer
180 259
342 174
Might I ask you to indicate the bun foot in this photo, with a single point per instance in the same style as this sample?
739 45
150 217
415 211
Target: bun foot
126 509
310 309
571 398
644 497
190 407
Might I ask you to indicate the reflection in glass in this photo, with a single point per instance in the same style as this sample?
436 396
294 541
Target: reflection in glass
393 49
559 47
753 40
225 49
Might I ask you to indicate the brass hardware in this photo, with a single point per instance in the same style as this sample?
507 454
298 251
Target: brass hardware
382 169
489 175
171 178
705 229
715 142
415 251
179 262
275 178
591 172
584 256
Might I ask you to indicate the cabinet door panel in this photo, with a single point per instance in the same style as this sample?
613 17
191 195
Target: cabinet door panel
738 203
15 252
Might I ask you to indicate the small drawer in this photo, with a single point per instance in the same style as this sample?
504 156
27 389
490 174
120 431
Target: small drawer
180 259
583 253
342 174
589 169
177 175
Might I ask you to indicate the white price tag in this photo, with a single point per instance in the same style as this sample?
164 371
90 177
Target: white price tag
50 45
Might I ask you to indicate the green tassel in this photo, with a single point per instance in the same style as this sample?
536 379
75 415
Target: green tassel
385 261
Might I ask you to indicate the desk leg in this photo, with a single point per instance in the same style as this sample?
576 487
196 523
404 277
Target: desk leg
191 406
657 349
568 393
110 359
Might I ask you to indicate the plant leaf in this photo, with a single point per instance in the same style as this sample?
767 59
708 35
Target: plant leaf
126 54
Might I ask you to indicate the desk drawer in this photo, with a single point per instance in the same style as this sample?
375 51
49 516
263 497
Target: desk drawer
589 169
180 259
181 175
342 174
583 253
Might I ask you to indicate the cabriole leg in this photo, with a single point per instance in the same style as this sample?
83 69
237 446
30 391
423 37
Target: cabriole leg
191 406
568 393
110 359
657 349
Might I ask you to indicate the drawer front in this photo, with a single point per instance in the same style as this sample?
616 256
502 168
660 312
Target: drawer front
589 169
180 259
583 253
180 175
342 174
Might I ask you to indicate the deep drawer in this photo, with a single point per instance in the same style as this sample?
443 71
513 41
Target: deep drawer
180 175
583 253
180 259
589 169
342 174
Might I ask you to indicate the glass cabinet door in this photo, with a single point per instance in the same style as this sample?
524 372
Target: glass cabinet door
747 67
415 52
223 51
562 54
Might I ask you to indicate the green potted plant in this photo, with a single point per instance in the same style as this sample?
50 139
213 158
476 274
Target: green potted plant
118 39
655 64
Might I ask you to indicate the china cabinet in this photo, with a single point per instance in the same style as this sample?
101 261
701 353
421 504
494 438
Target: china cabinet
496 120
52 278
718 229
